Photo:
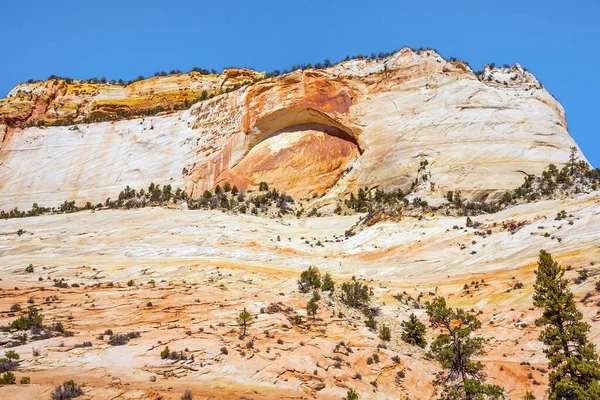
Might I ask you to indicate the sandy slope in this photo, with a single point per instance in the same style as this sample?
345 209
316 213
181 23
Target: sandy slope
208 265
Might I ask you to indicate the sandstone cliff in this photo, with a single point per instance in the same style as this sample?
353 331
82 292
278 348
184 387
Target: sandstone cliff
357 123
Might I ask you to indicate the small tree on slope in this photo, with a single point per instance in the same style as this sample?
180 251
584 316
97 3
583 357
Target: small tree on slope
454 349
573 359
244 320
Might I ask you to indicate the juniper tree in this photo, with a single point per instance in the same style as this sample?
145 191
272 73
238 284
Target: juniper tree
309 279
573 360
414 331
355 294
454 349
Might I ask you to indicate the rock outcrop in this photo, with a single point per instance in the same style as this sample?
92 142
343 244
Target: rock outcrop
355 124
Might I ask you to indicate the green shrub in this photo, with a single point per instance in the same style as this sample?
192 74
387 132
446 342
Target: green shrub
327 284
355 295
384 333
165 353
8 378
33 319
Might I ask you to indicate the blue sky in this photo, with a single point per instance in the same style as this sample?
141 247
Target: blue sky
556 40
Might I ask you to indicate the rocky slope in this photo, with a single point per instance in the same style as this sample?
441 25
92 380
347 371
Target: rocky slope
179 276
193 271
357 123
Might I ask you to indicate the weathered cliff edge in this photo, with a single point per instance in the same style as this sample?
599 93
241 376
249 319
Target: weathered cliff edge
357 123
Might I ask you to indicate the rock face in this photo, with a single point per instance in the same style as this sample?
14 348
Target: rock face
358 123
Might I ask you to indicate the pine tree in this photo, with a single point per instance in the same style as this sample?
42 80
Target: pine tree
244 320
312 307
573 360
414 331
454 349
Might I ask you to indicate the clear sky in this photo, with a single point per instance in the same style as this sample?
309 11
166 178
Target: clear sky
556 39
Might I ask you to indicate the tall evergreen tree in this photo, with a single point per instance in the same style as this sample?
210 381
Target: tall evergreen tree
573 360
462 378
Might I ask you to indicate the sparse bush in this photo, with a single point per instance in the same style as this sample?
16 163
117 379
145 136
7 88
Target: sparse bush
582 276
29 269
122 339
187 395
68 390
25 380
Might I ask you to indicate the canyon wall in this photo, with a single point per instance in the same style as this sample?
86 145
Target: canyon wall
358 123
